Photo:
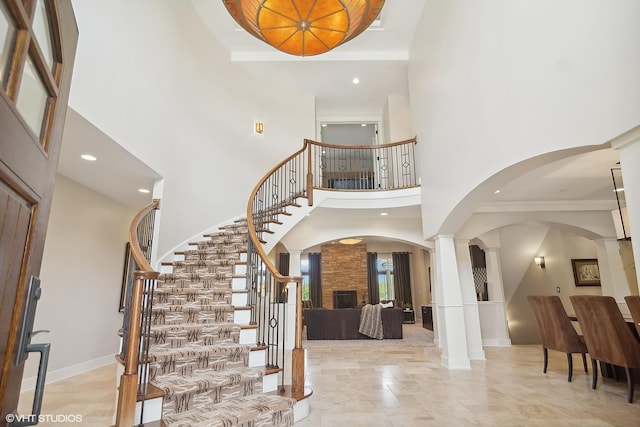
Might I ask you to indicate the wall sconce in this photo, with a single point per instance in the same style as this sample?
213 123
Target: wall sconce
259 127
540 261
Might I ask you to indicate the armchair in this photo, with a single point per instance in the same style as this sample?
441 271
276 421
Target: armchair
556 331
607 335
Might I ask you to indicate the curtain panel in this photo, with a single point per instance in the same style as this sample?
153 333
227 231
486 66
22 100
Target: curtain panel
402 277
283 263
283 268
315 279
372 277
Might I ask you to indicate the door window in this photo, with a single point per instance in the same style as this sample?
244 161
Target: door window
7 36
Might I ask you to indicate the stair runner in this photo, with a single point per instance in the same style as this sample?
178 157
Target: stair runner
195 353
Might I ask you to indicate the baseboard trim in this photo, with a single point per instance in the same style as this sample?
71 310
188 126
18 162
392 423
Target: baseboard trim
67 372
496 342
455 363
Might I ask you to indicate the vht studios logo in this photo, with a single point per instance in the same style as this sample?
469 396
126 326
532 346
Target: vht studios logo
42 418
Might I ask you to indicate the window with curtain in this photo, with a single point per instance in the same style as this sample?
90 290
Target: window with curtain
386 288
304 272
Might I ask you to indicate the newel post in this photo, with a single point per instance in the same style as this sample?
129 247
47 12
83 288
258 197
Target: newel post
128 389
309 175
297 354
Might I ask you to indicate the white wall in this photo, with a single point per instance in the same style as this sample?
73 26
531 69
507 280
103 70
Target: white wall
152 77
81 279
496 82
397 119
522 277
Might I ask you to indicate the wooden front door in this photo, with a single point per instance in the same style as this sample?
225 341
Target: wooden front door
37 48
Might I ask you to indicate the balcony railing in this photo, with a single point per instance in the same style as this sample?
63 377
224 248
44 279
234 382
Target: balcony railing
363 167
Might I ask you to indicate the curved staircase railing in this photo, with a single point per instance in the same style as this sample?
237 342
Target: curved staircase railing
136 315
276 192
315 165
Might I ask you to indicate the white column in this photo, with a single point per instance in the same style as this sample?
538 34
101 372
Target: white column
434 296
499 329
612 278
469 301
452 331
628 145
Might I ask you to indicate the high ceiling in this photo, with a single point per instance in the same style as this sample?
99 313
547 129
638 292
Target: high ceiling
378 58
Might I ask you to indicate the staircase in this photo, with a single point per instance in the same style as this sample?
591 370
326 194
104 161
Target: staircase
192 333
201 341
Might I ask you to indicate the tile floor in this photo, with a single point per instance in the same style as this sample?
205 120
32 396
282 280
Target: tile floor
401 383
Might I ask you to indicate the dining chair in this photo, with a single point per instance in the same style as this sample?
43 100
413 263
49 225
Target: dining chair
607 335
633 303
556 331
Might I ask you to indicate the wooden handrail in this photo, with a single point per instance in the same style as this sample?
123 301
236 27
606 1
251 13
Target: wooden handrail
297 361
253 235
136 251
128 388
361 147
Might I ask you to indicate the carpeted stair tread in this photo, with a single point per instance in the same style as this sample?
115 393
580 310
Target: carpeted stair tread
254 410
173 383
180 285
219 262
228 246
207 388
220 309
190 334
220 302
212 253
203 269
192 277
180 295
178 315
168 290
188 360
229 233
231 350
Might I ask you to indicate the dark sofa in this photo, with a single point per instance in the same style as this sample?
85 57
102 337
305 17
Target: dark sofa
343 323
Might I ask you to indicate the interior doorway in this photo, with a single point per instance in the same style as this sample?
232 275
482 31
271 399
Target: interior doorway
364 133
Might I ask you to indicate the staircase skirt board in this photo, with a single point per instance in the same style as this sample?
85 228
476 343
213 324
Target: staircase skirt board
200 350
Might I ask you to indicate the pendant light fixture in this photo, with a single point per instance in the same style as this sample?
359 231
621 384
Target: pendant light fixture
304 27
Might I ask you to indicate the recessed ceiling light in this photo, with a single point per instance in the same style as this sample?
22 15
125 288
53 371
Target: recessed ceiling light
89 157
617 190
363 125
351 241
143 190
496 192
324 125
356 80
384 214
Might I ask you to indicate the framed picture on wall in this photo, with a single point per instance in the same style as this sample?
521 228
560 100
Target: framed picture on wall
586 272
